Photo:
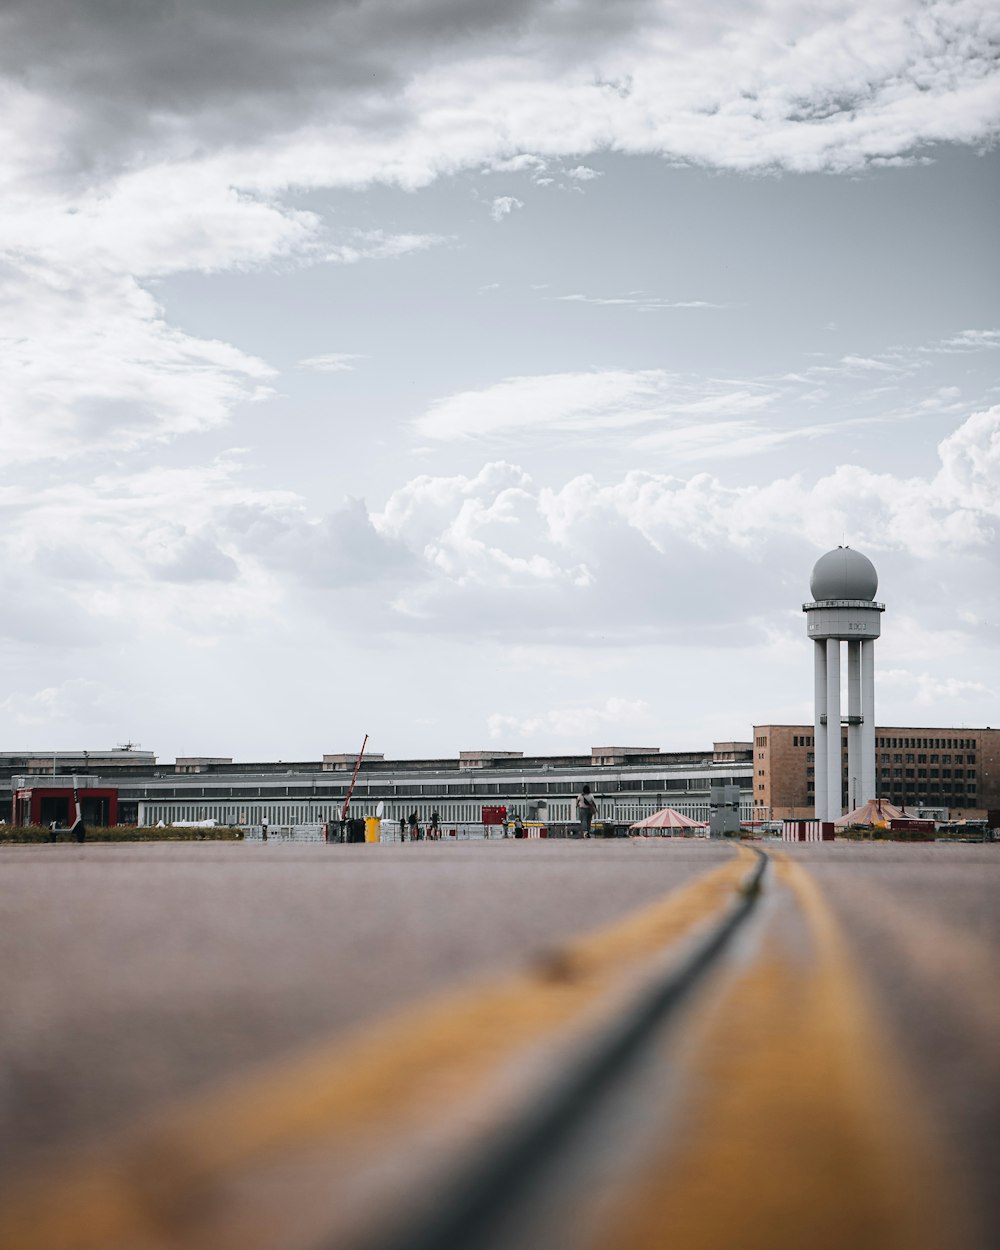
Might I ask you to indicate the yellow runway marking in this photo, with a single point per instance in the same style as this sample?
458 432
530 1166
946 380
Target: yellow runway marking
164 1186
797 1133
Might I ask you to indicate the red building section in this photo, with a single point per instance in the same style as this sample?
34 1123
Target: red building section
41 805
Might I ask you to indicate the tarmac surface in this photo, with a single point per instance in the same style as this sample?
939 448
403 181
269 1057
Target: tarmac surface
134 976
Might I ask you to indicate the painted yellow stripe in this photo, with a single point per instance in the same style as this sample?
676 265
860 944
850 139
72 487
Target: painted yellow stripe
797 1131
148 1190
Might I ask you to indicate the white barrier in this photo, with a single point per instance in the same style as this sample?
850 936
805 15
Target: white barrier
807 831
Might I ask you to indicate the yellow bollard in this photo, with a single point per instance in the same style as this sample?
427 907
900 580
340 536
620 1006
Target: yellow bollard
373 829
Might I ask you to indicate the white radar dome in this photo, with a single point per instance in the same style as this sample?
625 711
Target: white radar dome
843 574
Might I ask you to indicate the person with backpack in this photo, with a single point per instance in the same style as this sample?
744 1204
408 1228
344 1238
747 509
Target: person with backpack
586 810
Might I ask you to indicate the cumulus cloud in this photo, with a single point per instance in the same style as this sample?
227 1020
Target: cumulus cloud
503 206
450 84
74 699
692 557
175 138
572 724
928 689
92 364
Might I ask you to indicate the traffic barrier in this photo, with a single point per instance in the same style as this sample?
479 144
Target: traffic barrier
807 831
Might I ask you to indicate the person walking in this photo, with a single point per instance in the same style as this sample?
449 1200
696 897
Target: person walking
434 829
402 828
414 827
586 810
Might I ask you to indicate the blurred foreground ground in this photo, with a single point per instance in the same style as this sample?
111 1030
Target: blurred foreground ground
132 976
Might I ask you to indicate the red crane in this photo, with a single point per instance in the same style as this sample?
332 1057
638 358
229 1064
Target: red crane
354 777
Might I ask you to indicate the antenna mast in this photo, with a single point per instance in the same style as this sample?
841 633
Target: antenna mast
350 788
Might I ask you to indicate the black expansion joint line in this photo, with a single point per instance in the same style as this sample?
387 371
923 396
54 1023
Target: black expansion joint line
475 1200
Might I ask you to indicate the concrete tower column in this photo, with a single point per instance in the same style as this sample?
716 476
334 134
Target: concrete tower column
843 609
855 751
819 728
868 775
833 748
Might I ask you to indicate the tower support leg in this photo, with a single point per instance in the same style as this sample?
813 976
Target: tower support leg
868 776
855 754
834 755
819 728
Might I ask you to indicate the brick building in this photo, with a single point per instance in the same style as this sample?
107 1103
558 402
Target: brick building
954 770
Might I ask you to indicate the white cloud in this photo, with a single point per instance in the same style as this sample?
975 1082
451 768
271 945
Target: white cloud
970 341
590 401
583 173
503 206
643 303
572 725
91 364
377 245
71 700
635 541
927 689
332 362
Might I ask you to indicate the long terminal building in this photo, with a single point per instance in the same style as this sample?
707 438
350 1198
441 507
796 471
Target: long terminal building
950 773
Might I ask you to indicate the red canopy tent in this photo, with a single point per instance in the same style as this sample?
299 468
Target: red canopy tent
669 819
874 812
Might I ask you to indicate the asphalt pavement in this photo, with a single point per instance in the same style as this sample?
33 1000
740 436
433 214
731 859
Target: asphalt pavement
136 976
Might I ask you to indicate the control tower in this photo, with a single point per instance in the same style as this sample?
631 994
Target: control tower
843 586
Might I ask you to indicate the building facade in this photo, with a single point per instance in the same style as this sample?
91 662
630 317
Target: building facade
947 771
630 783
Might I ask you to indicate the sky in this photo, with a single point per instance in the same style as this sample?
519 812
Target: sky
490 375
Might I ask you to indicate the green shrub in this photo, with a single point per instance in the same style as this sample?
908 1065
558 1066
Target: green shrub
120 833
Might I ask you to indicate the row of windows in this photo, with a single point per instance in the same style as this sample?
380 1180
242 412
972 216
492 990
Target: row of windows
923 759
933 772
929 744
387 789
925 792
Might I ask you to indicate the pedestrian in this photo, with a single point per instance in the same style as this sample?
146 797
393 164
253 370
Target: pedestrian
414 827
586 810
263 830
402 828
434 832
518 827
